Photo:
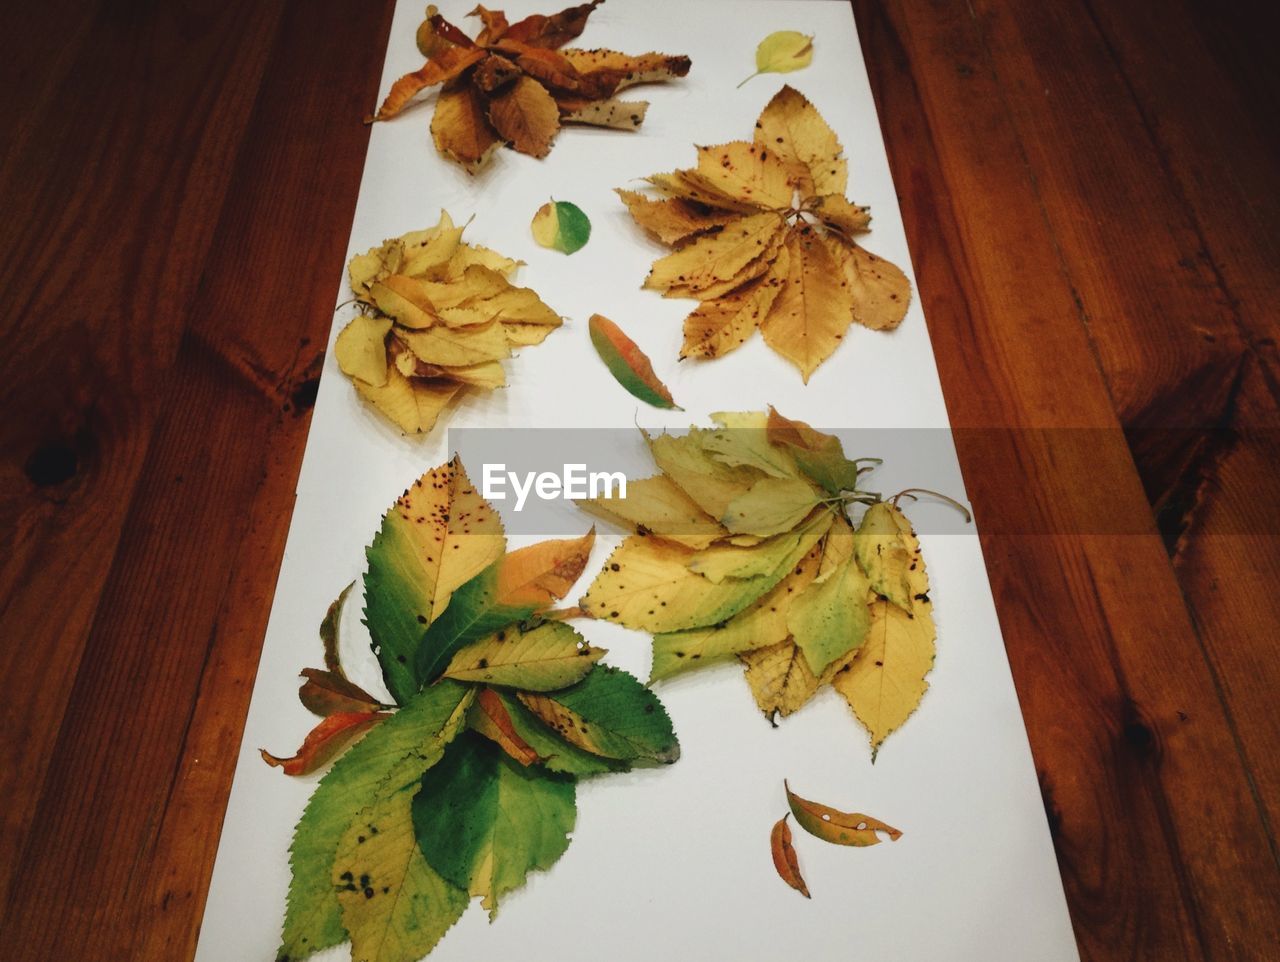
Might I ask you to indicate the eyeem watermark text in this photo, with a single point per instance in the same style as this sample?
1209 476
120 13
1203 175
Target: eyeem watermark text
573 483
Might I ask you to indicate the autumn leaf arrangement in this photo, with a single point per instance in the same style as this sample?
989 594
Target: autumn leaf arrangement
466 783
746 547
516 83
438 316
765 238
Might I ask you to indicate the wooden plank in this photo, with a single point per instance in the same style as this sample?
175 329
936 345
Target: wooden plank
118 850
1159 225
1130 736
110 191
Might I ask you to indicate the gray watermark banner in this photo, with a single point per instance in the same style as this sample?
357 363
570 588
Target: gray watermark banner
537 477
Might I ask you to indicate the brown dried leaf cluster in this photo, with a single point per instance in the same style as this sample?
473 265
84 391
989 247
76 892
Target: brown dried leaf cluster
513 84
439 317
765 238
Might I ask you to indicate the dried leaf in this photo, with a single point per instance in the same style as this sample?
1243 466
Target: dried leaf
660 507
836 827
526 116
440 315
785 862
764 238
324 742
326 693
512 83
562 226
627 363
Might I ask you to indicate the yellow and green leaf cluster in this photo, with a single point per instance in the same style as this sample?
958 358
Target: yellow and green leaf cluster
468 782
438 317
513 84
765 238
743 548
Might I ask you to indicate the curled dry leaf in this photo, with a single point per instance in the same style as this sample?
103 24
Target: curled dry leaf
784 857
439 318
764 238
629 365
514 84
837 827
324 742
743 549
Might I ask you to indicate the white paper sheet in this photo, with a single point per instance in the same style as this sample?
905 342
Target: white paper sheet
674 863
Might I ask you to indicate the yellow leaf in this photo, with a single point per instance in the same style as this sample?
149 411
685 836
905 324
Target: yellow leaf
711 485
473 255
741 438
542 573
837 213
784 52
716 257
792 128
674 219
689 185
882 551
427 250
413 404
361 349
546 658
487 376
526 116
401 298
885 683
659 506
879 292
458 347
722 562
748 171
762 624
780 678
772 506
724 324
813 310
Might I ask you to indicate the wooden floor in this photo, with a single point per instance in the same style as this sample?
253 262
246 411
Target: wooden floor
1092 194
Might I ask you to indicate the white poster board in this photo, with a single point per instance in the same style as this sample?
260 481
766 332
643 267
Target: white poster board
674 862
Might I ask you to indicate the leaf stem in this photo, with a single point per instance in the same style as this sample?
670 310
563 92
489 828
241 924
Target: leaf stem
912 492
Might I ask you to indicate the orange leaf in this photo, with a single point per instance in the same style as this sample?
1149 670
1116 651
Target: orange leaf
836 827
784 857
325 742
494 722
544 572
444 66
495 25
461 129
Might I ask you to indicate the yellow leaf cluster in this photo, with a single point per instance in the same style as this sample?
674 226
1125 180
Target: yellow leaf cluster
439 317
764 238
743 548
513 84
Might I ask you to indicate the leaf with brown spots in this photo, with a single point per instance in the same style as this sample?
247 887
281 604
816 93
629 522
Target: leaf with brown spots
764 238
837 827
513 83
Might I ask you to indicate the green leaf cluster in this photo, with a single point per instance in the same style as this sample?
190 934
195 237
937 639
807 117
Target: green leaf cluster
470 784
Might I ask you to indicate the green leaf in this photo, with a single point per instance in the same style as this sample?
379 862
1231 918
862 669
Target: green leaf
772 506
764 623
422 728
484 822
552 655
688 461
611 714
517 585
742 438
820 456
394 905
882 552
557 754
629 365
831 617
649 584
783 52
561 226
437 536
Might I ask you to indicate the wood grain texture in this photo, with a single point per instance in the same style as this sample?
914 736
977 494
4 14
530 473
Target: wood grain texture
1089 193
